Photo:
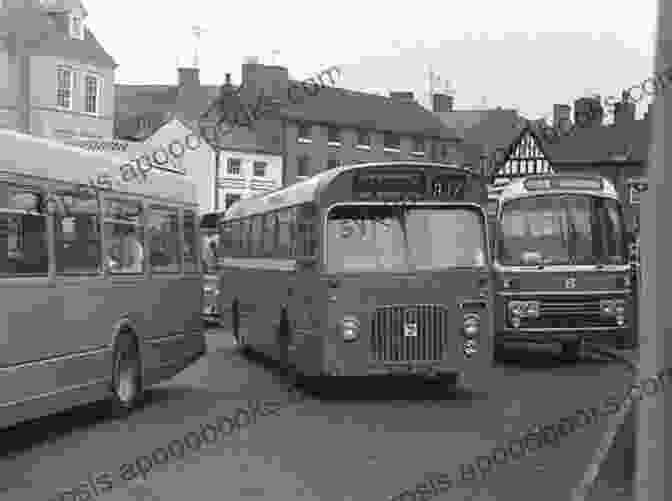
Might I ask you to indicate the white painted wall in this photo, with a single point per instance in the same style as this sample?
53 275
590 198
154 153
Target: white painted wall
198 164
246 184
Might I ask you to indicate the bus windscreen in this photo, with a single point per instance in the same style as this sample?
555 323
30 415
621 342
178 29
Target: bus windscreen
561 230
403 238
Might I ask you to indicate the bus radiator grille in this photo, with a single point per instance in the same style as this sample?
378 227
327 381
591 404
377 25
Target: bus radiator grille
389 343
569 312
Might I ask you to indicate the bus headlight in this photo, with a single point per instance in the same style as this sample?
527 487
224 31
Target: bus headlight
350 328
472 325
469 348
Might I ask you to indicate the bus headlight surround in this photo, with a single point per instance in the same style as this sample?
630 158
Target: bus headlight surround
472 325
522 309
614 308
350 328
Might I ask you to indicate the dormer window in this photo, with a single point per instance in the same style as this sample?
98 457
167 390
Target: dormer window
76 28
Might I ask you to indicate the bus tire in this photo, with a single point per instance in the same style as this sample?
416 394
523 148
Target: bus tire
127 390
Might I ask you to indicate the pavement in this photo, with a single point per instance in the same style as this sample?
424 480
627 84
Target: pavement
366 444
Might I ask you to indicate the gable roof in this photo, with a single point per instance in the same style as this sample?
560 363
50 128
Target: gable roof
347 108
141 110
44 37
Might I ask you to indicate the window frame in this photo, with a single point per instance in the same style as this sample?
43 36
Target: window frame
74 192
78 34
97 96
397 147
47 224
195 244
417 140
299 162
308 129
257 164
337 133
229 165
151 208
139 226
62 91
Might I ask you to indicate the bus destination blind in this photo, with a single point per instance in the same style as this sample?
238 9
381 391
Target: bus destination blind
390 181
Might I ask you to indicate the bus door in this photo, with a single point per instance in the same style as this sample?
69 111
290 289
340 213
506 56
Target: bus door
404 281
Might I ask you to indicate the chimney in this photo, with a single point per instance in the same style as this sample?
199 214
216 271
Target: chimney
272 81
442 102
590 110
624 111
406 97
188 77
562 116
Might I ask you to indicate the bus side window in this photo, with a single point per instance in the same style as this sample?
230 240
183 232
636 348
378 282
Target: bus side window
78 240
245 226
307 234
268 248
293 232
23 237
162 226
284 233
236 239
124 236
226 239
190 241
256 238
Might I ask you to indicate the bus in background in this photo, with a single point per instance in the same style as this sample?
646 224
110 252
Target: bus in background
209 246
100 284
561 265
366 269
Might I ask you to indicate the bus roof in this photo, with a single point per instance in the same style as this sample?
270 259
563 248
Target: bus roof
51 160
309 190
518 188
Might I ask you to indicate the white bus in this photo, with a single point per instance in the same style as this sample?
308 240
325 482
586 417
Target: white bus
100 287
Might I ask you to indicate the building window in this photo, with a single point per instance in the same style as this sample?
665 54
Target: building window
233 166
304 134
230 199
260 169
332 163
444 150
303 166
363 139
92 96
64 91
392 141
76 27
334 136
418 146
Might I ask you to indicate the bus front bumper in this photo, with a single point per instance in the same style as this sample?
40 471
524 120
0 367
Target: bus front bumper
560 335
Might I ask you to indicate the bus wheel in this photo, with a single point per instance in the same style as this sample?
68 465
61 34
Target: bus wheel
126 375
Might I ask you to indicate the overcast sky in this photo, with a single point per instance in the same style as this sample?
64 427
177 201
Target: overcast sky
519 53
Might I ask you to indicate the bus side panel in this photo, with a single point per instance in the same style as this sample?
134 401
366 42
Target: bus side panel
311 335
66 332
